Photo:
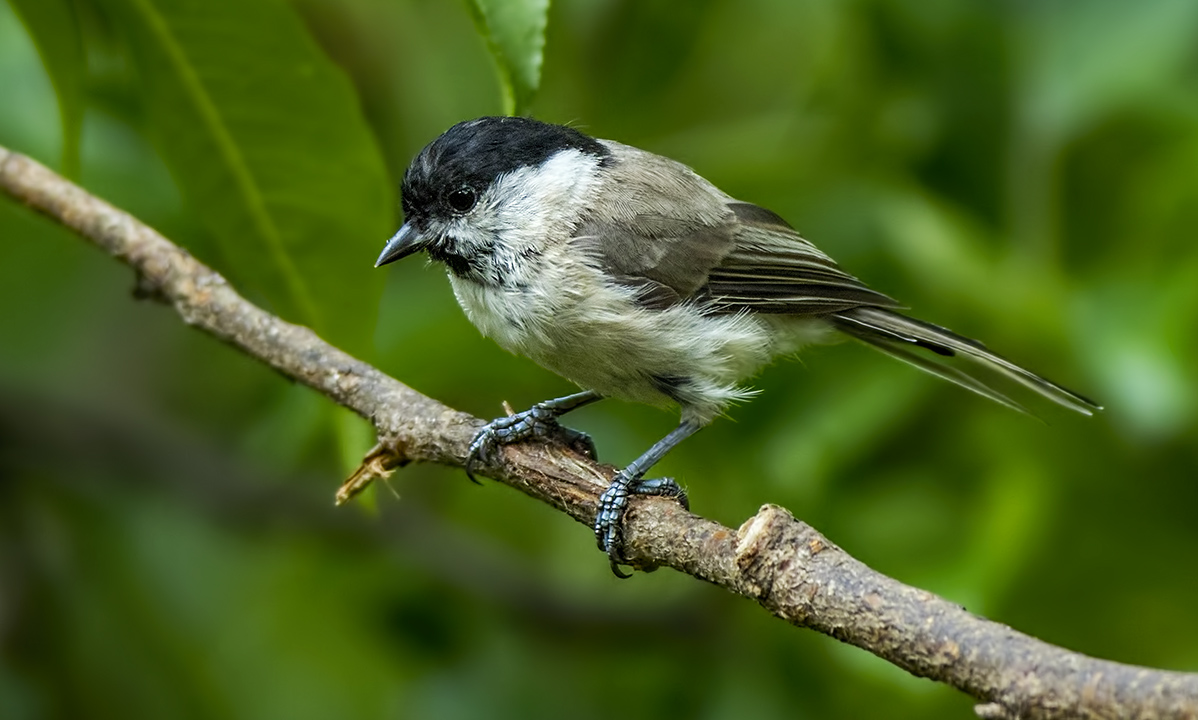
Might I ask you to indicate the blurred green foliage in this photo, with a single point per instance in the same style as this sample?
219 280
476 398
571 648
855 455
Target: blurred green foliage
1023 172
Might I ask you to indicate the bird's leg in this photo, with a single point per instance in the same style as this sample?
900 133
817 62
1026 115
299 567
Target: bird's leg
538 422
614 500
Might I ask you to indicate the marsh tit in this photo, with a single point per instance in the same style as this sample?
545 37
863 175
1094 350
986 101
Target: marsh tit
635 278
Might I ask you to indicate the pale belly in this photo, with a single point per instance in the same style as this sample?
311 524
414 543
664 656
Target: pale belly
601 341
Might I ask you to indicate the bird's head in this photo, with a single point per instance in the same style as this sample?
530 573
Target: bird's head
492 188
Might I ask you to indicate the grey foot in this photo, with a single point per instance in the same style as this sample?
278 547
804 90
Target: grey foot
609 520
537 423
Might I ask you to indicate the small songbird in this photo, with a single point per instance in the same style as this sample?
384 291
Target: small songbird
635 278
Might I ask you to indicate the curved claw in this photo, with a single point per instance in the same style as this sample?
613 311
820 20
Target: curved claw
615 570
578 441
479 445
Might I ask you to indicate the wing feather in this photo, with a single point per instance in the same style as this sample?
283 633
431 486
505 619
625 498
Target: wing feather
773 269
673 237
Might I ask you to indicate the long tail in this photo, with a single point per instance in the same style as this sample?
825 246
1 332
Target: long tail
902 337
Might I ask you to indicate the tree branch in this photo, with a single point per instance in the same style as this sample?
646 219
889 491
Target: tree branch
785 565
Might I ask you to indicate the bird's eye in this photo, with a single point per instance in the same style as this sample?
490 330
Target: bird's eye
462 200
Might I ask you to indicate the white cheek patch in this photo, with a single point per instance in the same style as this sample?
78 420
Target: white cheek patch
531 204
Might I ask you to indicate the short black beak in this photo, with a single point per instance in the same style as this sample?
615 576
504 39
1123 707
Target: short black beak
402 244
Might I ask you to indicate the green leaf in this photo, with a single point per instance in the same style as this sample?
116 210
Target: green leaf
1083 59
55 32
515 33
265 137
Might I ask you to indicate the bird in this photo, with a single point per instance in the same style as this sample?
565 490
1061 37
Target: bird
635 278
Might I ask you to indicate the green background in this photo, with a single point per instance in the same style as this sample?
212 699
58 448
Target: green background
1023 172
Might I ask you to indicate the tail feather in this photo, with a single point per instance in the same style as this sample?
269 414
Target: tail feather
897 335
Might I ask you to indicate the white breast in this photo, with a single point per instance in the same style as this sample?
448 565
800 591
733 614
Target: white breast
594 335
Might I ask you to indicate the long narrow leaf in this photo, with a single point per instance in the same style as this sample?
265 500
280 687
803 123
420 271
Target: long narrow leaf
265 137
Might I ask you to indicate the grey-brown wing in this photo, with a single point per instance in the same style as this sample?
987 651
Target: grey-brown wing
666 260
675 237
663 227
749 259
772 269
